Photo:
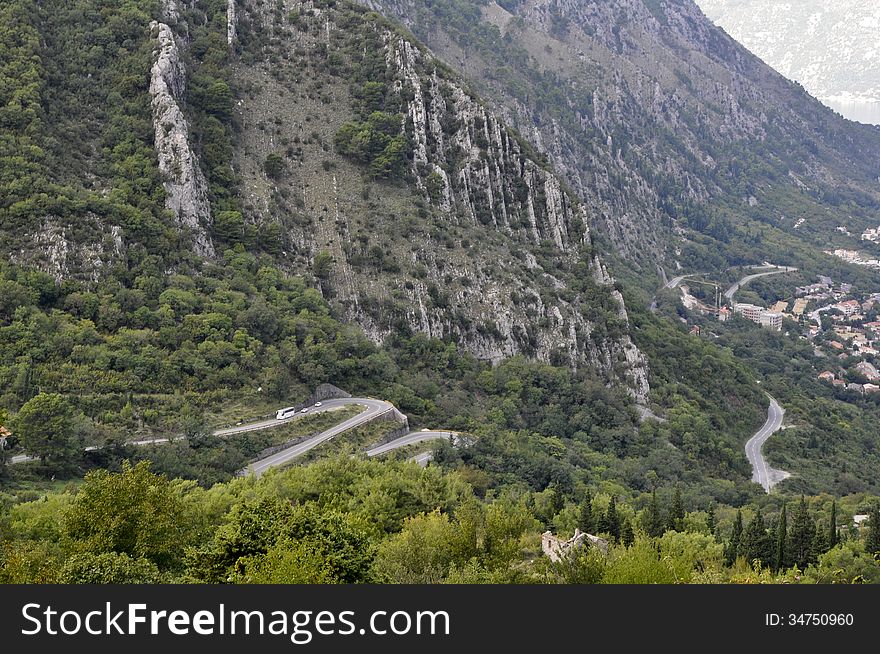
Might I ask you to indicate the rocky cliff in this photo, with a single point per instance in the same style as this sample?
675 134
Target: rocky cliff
186 190
477 239
231 22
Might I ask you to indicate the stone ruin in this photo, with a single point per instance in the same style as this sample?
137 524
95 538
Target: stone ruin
556 548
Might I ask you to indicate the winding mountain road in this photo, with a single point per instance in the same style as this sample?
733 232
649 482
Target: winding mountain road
672 283
763 474
410 439
422 458
373 409
730 292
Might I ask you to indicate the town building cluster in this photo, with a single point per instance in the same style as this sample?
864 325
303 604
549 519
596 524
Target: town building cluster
840 382
854 339
842 322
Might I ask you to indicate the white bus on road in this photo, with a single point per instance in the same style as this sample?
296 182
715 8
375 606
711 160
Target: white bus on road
283 414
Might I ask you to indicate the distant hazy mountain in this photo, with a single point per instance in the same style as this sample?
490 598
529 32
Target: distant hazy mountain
832 47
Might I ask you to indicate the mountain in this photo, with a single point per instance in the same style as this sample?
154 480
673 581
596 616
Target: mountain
209 209
828 46
681 142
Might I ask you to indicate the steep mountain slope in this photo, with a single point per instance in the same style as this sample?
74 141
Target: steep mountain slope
476 240
678 138
829 46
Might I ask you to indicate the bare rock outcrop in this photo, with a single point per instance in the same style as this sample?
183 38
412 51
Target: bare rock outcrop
231 22
498 185
59 253
185 186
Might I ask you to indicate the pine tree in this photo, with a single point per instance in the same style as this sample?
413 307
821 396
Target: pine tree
711 521
757 543
735 542
676 512
801 537
627 537
779 561
652 519
585 518
612 519
872 540
833 537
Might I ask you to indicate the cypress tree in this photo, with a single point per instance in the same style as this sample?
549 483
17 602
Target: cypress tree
557 499
585 519
733 545
781 536
833 538
801 537
757 543
653 520
872 540
627 537
676 512
820 542
601 521
613 520
711 521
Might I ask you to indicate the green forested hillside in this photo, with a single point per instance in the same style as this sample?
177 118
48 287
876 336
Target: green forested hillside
142 361
77 157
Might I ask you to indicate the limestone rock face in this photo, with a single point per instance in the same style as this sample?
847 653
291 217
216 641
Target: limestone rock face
58 252
479 241
642 106
496 183
230 22
185 185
